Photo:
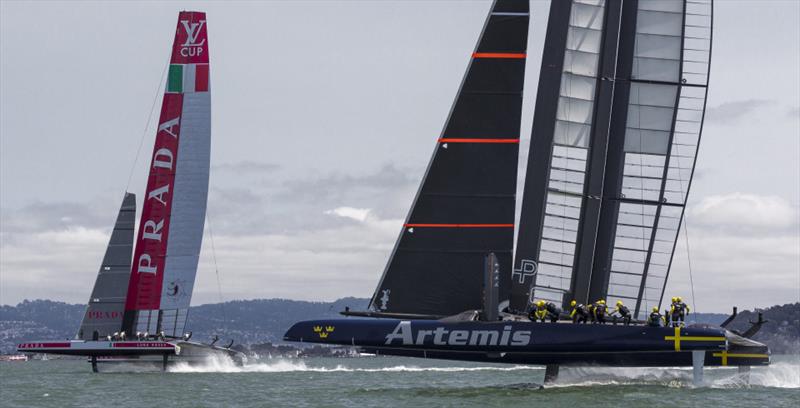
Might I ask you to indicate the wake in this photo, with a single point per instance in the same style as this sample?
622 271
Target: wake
777 375
225 365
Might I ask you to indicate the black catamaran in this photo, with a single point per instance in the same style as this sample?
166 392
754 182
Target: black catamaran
616 129
138 309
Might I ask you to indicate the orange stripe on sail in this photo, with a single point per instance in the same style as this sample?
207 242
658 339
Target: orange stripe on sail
459 225
511 55
467 140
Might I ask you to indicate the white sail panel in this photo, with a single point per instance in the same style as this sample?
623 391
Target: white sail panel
569 155
189 201
661 141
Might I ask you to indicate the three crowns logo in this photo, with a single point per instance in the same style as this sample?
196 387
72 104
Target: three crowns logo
323 332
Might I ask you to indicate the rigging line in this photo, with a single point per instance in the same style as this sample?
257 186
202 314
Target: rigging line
689 260
146 126
216 271
686 235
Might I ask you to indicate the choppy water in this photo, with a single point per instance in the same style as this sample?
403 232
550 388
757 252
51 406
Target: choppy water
390 382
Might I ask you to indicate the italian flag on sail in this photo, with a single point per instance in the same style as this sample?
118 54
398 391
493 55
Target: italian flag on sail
185 78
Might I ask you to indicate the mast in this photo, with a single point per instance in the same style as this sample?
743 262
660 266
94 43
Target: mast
464 208
107 302
171 228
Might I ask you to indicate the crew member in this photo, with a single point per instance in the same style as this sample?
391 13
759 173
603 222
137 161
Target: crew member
678 312
578 313
599 311
552 311
623 312
538 311
656 318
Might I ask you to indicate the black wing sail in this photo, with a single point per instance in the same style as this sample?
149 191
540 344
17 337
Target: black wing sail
464 208
107 302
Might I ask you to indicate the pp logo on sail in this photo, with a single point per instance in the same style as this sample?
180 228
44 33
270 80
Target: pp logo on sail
323 332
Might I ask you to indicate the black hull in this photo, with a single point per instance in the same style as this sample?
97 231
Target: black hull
536 343
631 359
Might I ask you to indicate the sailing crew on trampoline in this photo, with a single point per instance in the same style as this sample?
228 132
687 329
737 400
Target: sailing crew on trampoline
656 318
552 311
538 311
623 312
579 314
599 310
678 311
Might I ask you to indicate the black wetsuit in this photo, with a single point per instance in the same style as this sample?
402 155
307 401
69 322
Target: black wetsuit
579 314
624 313
678 312
654 320
552 311
600 313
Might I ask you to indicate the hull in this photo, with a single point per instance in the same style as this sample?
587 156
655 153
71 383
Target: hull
535 343
135 354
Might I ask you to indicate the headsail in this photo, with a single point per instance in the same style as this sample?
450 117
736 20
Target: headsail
171 229
667 67
464 208
107 302
611 167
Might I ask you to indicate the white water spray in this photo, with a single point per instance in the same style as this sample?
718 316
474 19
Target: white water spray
225 365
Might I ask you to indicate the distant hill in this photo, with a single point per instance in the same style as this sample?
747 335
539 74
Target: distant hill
265 321
245 321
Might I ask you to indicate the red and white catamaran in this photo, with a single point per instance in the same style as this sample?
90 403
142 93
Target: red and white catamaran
138 308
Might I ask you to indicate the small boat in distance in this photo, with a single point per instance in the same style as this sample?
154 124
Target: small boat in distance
13 357
138 308
616 128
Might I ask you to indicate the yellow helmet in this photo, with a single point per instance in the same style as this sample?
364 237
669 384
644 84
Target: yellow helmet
674 299
655 308
619 303
601 301
540 303
573 303
679 299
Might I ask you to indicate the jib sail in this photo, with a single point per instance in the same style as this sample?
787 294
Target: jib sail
107 302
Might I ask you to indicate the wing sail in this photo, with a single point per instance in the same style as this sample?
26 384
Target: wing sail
663 121
613 149
171 229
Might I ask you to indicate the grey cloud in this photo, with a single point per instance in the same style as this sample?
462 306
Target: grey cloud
730 112
247 166
297 205
38 217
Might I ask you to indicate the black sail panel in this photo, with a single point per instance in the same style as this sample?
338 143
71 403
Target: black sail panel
464 208
107 302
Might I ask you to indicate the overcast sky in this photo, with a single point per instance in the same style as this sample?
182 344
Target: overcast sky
325 115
